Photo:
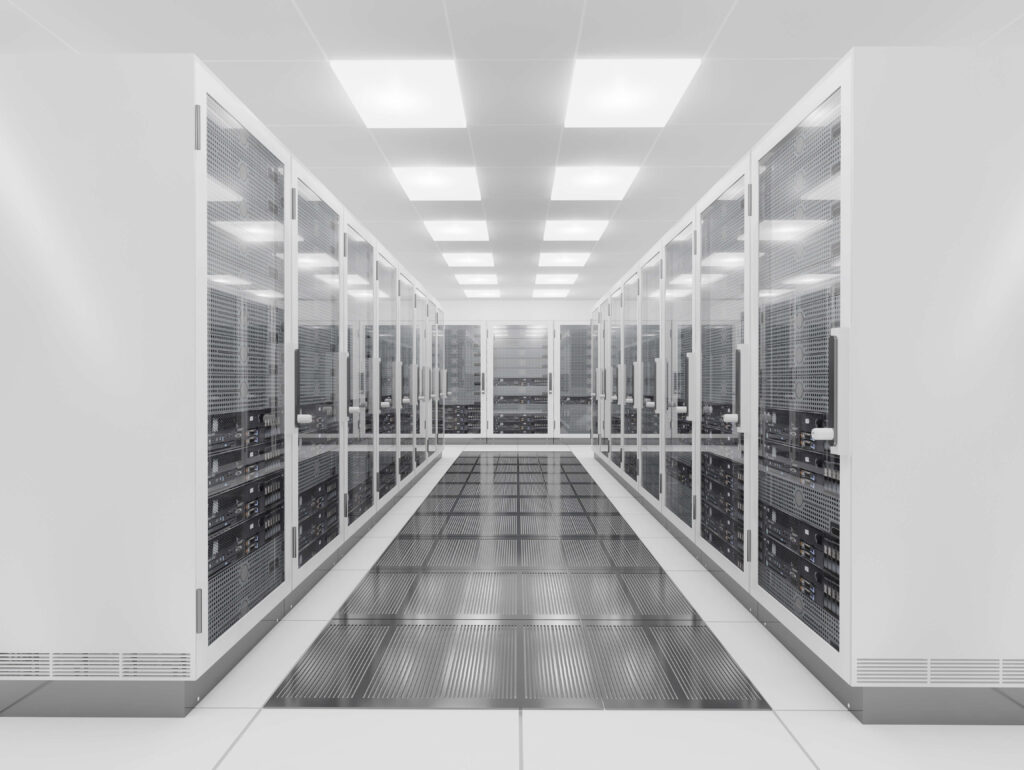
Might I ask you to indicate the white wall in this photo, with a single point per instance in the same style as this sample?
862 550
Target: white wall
566 311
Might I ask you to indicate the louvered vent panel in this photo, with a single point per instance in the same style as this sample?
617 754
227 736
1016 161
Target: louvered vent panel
86 665
892 670
17 665
973 671
156 665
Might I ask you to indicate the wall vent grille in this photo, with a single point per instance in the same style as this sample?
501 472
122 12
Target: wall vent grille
1013 671
892 670
964 671
95 665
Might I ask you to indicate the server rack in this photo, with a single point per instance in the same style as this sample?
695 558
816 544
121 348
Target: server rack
573 379
825 320
235 372
464 381
521 379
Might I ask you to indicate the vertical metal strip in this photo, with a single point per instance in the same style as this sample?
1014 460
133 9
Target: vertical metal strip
199 610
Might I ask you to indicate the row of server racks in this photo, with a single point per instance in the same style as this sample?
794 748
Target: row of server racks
263 374
518 379
770 377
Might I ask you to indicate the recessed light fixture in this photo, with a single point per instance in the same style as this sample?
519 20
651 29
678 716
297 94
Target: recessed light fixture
457 230
550 293
724 260
562 259
574 229
476 279
439 183
556 279
404 93
469 259
810 279
592 183
316 261
627 93
789 229
483 293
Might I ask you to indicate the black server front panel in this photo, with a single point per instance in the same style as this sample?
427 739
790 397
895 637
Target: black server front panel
521 380
245 371
798 476
461 413
575 372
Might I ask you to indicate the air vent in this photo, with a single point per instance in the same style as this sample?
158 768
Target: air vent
86 665
155 665
15 665
892 671
1013 672
980 671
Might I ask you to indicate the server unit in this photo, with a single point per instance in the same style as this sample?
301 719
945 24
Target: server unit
462 391
850 283
573 379
521 378
196 281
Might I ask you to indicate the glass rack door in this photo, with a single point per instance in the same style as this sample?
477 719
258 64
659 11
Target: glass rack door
387 361
617 379
574 376
679 320
648 391
421 367
406 375
632 395
595 373
360 374
433 366
799 301
723 225
461 411
520 378
318 389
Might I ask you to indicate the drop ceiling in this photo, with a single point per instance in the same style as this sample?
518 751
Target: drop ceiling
514 61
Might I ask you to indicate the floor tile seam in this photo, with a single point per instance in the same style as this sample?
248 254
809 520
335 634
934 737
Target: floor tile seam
238 738
796 740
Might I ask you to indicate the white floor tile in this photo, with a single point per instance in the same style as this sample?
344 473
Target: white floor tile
195 742
838 740
364 554
251 683
379 738
617 740
781 678
327 596
710 598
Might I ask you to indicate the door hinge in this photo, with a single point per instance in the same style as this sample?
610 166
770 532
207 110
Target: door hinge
746 545
295 542
295 203
199 610
199 127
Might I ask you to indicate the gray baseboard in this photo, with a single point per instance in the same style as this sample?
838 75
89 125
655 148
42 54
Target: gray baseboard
62 698
872 705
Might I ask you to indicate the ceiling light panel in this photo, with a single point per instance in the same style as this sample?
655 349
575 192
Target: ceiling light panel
483 293
476 279
592 183
550 293
574 229
562 259
556 279
405 93
457 229
439 183
627 93
469 259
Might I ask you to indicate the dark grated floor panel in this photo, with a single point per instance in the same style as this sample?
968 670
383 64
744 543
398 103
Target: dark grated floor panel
517 585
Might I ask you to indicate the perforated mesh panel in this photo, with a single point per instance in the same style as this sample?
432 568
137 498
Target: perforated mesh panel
575 375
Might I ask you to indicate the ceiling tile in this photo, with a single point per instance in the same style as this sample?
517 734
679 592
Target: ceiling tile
379 29
226 29
515 92
809 28
735 91
605 146
515 182
704 144
19 34
425 146
684 182
509 233
524 29
368 192
653 208
634 236
401 237
451 210
580 210
650 28
332 145
513 145
517 208
289 92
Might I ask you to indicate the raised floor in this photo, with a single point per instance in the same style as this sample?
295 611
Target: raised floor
537 570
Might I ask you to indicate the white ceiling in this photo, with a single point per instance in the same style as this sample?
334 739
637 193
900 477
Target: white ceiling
514 59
